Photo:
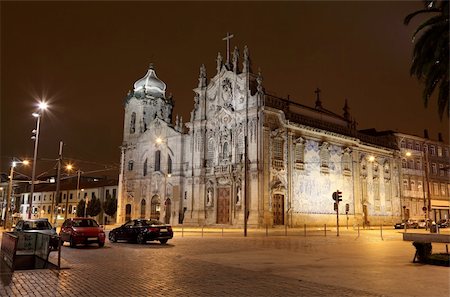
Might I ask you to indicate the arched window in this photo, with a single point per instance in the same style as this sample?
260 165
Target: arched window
155 208
225 150
145 168
130 165
142 208
211 149
169 164
158 161
127 212
133 123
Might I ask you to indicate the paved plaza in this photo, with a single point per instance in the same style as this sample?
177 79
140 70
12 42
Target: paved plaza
230 265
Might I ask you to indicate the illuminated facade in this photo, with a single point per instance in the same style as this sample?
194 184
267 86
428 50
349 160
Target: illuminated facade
195 173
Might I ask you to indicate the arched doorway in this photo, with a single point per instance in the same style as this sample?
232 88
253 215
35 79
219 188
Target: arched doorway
168 211
155 208
142 208
127 212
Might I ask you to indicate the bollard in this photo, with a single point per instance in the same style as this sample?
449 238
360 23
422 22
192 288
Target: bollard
325 228
381 231
304 229
182 230
222 231
202 230
267 230
59 252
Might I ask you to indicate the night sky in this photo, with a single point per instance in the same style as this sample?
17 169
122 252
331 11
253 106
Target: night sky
84 57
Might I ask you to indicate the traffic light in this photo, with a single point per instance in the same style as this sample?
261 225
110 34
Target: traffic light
337 196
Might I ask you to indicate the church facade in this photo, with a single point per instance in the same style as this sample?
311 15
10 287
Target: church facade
245 153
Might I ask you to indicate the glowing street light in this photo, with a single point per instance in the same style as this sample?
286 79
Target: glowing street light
41 107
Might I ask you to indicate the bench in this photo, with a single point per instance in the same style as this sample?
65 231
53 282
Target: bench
423 241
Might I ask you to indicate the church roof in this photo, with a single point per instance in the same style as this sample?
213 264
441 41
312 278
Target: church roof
150 84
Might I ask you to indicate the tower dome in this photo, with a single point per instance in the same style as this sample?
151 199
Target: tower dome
150 84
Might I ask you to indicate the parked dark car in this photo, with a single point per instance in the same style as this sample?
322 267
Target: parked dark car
443 223
38 226
410 224
82 231
141 231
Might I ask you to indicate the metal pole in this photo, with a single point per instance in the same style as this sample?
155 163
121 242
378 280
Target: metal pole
33 174
58 176
325 230
428 206
11 174
381 231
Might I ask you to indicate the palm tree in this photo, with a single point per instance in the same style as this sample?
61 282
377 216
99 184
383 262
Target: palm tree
431 51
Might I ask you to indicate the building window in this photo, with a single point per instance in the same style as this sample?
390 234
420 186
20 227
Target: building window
418 165
402 144
130 165
45 197
169 165
419 185
71 196
413 185
49 209
142 208
225 153
441 170
417 146
434 168
211 149
411 164
446 152
133 123
145 168
114 193
433 150
425 148
439 151
436 189
277 157
404 164
158 161
443 190
410 145
107 193
70 209
405 185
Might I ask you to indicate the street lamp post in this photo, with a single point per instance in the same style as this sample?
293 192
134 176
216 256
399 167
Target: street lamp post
37 115
8 198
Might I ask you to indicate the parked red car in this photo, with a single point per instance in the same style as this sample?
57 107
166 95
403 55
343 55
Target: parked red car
82 231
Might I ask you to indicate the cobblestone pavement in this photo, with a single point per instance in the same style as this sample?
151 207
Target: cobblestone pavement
234 266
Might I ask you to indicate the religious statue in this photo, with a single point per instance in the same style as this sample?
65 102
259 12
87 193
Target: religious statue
219 62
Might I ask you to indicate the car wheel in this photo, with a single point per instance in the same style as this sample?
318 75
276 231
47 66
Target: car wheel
72 243
163 241
101 244
112 237
140 238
